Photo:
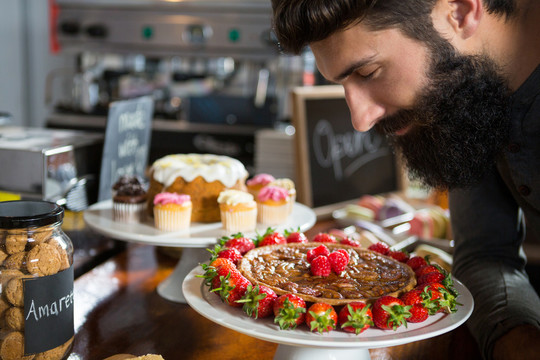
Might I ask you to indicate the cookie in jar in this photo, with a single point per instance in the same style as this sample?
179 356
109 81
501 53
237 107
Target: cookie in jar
36 282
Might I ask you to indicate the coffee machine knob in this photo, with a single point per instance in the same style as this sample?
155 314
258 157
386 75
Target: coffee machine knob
70 28
96 31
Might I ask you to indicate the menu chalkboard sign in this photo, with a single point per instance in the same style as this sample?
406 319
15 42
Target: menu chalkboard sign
336 163
127 141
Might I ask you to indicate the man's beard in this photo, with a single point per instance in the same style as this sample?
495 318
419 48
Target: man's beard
458 125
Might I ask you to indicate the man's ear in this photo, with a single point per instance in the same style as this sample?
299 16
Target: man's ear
464 16
459 19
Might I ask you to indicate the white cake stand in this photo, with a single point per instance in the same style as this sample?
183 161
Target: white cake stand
194 241
301 344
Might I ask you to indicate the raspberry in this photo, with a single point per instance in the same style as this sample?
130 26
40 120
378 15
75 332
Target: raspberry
320 266
338 261
350 242
319 250
380 247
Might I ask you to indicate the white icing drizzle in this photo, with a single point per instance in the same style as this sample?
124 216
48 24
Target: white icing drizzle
189 166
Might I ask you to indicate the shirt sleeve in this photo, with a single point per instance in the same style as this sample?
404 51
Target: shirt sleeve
488 231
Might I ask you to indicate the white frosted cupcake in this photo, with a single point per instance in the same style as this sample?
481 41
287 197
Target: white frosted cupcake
273 205
287 184
172 211
238 210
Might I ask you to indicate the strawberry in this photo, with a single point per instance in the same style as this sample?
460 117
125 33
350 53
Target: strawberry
238 242
355 317
295 236
289 311
319 250
210 271
390 312
338 261
416 262
418 314
321 317
230 253
447 301
350 242
230 287
324 238
258 302
426 269
432 277
271 237
421 297
320 266
379 247
400 256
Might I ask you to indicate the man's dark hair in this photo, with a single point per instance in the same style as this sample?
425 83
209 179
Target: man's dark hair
300 22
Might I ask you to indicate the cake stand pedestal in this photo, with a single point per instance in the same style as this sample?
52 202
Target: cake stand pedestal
171 288
305 353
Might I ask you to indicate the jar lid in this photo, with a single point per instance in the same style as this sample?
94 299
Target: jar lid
25 214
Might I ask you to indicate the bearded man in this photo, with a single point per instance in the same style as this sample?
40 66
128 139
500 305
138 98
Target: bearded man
455 86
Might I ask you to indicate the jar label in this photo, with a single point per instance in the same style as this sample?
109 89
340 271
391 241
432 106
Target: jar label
48 311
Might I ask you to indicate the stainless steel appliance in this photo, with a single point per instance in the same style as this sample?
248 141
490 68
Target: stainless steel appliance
55 165
212 67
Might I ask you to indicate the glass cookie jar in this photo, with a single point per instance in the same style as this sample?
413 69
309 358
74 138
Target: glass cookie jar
36 282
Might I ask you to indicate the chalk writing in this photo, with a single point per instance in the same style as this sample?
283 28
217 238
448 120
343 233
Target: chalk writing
330 148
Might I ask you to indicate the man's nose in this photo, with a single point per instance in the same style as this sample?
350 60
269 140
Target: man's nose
365 111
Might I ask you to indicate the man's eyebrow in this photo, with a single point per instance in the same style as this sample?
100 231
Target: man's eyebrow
352 68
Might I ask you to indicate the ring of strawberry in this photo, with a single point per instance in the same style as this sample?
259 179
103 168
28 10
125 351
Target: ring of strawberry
258 301
321 317
230 287
324 238
237 241
295 236
270 237
289 311
424 298
220 251
390 312
355 317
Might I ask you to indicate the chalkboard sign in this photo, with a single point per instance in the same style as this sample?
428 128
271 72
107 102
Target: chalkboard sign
127 141
335 163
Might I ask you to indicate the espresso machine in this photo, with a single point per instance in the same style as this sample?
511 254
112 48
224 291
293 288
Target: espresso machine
213 68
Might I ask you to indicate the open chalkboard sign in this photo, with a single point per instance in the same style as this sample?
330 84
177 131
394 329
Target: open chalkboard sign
335 163
127 141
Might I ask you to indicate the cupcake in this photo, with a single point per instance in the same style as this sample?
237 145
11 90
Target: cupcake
129 200
288 185
238 210
172 211
256 183
273 205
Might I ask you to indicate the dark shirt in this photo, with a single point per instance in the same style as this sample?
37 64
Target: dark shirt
488 222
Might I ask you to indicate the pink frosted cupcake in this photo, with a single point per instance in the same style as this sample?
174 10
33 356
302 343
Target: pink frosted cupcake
172 211
288 185
273 205
256 183
238 210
